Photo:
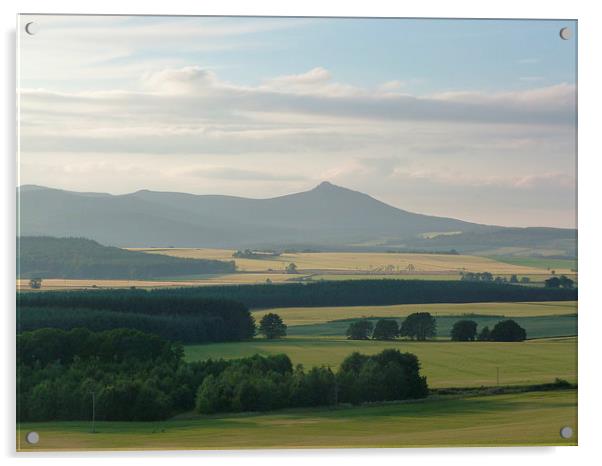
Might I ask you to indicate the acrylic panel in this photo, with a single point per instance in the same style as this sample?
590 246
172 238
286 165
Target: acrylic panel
286 232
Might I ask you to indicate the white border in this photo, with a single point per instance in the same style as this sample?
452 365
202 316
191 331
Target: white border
590 241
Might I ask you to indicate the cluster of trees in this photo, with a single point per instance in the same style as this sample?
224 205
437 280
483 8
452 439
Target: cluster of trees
505 330
135 376
291 268
422 325
263 383
477 276
376 292
48 257
253 254
559 282
184 318
417 326
553 282
488 277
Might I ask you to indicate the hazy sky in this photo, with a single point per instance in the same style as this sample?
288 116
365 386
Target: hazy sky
466 119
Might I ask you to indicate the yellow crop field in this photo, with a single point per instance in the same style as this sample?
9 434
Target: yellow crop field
319 315
361 262
225 279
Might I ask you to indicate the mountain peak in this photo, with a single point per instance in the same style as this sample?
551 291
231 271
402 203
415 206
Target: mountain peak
326 185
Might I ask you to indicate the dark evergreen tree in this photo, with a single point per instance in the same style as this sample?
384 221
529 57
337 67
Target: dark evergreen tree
464 330
272 326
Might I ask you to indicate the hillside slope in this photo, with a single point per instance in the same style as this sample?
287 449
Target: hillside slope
327 216
49 257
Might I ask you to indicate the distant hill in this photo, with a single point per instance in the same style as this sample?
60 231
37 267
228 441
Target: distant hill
326 217
48 257
534 238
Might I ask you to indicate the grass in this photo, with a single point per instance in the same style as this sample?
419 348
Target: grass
318 315
445 363
539 262
193 280
533 418
360 262
536 327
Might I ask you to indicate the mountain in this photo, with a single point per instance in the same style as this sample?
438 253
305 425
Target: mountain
327 216
83 258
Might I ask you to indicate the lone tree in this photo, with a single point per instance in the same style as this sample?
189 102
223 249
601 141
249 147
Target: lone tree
508 330
485 334
464 330
360 330
271 326
35 283
291 268
385 329
419 326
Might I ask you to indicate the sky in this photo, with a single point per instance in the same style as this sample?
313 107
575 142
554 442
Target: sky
471 119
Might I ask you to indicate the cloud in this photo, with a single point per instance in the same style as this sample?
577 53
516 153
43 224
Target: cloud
289 132
230 173
190 80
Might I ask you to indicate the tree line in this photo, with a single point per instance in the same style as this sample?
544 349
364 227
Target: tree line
140 377
421 326
417 326
186 318
262 383
374 292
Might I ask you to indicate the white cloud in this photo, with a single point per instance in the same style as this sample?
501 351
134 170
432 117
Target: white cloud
177 126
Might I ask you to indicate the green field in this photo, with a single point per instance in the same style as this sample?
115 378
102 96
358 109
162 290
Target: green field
538 262
516 419
317 315
536 327
446 364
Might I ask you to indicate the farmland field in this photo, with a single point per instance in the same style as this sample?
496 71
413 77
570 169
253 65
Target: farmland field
317 315
513 419
197 280
360 262
536 327
539 262
446 364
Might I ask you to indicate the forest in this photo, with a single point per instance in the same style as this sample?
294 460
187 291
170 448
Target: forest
49 257
187 319
133 376
373 292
